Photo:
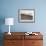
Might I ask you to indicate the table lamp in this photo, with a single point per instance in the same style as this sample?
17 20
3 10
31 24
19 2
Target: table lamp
9 21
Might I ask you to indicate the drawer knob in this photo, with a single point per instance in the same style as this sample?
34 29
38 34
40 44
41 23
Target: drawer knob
33 42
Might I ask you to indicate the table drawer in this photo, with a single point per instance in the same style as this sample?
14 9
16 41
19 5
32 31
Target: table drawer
9 42
13 43
33 43
34 37
16 37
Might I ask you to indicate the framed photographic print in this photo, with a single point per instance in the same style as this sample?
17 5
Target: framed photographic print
26 15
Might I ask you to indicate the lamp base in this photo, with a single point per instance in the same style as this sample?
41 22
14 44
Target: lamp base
9 33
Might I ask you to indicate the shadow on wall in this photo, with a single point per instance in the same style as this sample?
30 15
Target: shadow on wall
2 21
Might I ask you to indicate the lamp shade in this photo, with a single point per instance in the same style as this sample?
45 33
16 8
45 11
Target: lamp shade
9 21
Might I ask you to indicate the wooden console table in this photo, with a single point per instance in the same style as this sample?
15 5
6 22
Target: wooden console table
20 39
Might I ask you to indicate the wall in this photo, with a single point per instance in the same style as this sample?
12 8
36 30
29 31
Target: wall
9 8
